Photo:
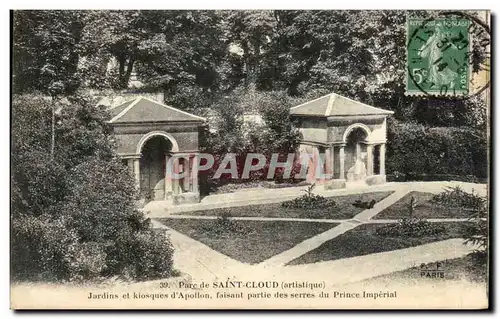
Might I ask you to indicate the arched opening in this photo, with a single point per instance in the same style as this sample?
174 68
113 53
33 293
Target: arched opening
155 153
356 154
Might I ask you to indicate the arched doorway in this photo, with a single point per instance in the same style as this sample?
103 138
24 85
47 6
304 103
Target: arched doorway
155 153
148 134
356 154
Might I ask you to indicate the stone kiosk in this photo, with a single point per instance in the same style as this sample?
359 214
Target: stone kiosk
148 134
350 135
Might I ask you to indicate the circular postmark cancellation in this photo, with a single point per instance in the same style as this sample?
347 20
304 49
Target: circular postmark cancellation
448 55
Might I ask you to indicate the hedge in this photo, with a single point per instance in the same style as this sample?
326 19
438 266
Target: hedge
417 152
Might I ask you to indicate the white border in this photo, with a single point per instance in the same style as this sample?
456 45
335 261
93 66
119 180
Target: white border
186 4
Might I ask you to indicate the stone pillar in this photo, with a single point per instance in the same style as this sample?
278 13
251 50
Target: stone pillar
187 172
342 161
190 183
369 159
313 165
332 152
328 162
175 178
137 172
194 173
358 152
168 177
382 159
130 165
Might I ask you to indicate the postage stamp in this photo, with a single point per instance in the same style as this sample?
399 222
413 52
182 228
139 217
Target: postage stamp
446 55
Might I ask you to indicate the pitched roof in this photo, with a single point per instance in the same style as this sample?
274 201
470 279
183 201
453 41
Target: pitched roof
336 105
143 109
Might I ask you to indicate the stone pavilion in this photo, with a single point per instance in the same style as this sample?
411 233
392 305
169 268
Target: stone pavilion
351 136
148 133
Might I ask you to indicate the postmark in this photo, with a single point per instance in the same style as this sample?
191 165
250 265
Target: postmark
447 55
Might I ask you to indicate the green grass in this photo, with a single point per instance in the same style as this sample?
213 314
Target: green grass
255 242
424 209
363 240
344 209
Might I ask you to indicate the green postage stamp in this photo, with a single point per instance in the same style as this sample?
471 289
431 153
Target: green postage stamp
440 55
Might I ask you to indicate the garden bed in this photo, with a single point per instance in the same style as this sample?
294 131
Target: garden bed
424 208
238 187
248 241
363 240
343 209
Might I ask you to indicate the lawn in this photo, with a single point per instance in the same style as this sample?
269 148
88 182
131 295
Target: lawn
424 209
343 210
363 240
467 267
247 241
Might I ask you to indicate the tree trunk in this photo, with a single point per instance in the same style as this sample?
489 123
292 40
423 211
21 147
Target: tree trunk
121 70
130 67
52 127
124 74
248 64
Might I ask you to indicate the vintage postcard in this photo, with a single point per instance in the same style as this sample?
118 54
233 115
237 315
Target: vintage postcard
260 159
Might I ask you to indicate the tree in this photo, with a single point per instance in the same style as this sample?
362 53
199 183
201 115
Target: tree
269 132
45 51
122 35
195 56
38 181
281 136
74 215
184 56
252 32
198 57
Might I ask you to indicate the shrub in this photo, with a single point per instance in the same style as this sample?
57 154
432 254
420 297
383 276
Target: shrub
444 152
142 255
477 266
410 227
457 197
42 248
286 184
224 226
476 232
247 121
74 214
102 209
101 203
401 177
88 261
237 185
310 201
